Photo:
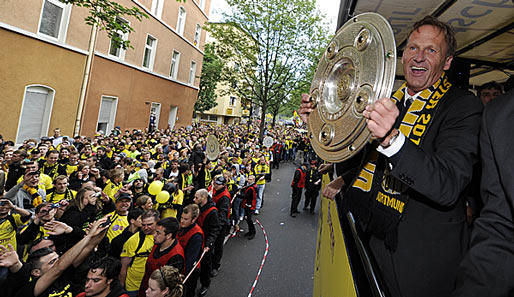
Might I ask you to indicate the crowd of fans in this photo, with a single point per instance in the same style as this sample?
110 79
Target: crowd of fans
132 213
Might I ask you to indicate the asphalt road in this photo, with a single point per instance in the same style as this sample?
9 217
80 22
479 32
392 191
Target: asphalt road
288 269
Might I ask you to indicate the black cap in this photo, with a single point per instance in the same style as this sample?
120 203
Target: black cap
220 180
124 196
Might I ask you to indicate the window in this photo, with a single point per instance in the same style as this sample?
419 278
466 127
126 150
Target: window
201 4
107 114
54 19
175 60
149 54
181 22
198 32
232 101
173 117
192 72
35 113
157 6
115 49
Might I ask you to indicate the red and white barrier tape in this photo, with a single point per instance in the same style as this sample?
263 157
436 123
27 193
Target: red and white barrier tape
263 258
195 265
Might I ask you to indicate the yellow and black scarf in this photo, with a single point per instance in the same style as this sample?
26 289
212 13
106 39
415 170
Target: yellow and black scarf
36 198
50 170
377 198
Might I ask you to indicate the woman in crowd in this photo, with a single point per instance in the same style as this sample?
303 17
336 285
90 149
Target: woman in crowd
88 206
144 202
165 282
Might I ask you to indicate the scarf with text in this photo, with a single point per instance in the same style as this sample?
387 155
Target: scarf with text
377 198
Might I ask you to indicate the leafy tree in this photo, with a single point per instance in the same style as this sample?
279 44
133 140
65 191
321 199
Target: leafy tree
104 12
211 73
272 42
304 82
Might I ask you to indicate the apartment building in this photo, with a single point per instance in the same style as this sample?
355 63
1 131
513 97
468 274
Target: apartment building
227 111
44 49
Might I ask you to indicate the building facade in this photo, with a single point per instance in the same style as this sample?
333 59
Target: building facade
44 50
228 110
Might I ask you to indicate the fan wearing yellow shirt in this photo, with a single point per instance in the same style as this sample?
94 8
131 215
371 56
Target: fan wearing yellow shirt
119 219
60 190
172 207
45 182
11 218
114 184
260 171
73 163
135 252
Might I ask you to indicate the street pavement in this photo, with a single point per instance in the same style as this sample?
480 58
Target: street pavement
288 269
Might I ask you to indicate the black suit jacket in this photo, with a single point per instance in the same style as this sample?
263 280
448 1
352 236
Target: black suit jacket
432 234
488 268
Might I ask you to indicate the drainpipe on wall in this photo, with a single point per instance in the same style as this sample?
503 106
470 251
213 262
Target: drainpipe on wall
85 78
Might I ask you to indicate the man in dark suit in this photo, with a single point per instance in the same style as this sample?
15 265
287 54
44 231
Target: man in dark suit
488 268
407 197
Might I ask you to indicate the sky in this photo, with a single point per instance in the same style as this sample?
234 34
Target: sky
328 7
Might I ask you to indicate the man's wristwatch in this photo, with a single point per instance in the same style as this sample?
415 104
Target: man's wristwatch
392 140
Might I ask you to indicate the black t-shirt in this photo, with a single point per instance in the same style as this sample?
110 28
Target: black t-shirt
60 288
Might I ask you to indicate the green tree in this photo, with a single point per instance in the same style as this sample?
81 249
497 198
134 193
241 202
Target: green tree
303 84
211 73
272 42
103 13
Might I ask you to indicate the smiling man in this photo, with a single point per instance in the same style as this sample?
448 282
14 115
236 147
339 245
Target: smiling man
408 195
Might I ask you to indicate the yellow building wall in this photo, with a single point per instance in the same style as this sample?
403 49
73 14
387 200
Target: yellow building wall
26 61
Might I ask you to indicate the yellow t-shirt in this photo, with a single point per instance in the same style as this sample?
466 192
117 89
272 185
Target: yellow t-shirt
111 189
167 209
56 197
136 271
119 223
71 168
8 231
262 170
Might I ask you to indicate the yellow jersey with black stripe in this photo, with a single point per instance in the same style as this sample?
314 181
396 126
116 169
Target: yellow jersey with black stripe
166 209
136 270
53 197
8 231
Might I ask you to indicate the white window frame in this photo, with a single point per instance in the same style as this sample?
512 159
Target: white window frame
181 20
50 92
198 34
173 114
174 68
124 36
201 4
152 49
157 7
112 118
192 73
65 20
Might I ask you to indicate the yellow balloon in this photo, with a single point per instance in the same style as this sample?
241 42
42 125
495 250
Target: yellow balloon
155 187
163 197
